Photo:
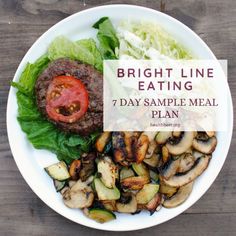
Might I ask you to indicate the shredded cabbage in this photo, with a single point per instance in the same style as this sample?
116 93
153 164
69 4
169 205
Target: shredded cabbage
145 40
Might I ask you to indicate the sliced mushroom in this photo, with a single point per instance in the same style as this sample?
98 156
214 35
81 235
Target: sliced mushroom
152 143
153 161
75 169
197 154
141 148
71 183
119 148
177 146
80 195
78 199
129 139
176 133
163 136
64 190
129 207
202 136
205 146
102 140
151 149
135 182
80 185
170 168
165 154
179 197
88 166
125 197
109 205
151 135
183 179
186 163
119 157
210 133
190 150
167 190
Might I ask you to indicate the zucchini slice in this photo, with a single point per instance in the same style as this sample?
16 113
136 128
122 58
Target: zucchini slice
101 215
59 185
105 193
147 193
108 171
141 169
126 173
58 171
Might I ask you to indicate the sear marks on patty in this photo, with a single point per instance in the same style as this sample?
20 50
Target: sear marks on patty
93 81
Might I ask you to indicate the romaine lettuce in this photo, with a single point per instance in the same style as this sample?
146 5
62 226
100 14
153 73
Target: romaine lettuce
29 75
108 41
84 50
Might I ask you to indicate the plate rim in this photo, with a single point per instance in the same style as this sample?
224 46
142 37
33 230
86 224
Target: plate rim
103 226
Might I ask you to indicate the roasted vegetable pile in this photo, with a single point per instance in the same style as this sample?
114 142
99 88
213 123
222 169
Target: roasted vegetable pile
132 171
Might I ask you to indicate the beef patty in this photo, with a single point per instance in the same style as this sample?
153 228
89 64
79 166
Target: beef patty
92 80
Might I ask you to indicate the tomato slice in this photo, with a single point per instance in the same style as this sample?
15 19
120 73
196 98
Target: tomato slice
66 99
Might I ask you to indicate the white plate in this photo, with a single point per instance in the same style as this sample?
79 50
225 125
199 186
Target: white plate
31 161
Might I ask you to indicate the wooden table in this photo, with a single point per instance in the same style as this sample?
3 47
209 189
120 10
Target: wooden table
21 211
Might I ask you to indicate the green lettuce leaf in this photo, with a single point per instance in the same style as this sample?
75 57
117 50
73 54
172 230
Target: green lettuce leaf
30 74
107 38
84 50
40 132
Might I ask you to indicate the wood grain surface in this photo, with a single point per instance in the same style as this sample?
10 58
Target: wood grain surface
21 211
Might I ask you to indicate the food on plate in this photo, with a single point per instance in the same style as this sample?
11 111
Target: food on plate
58 171
112 187
69 94
60 108
179 197
101 215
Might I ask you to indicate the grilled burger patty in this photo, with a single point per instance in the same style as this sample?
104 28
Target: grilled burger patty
92 80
